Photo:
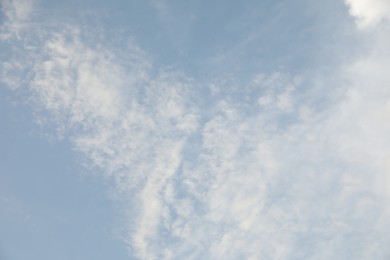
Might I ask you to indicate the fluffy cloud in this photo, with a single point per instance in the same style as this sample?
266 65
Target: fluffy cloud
369 12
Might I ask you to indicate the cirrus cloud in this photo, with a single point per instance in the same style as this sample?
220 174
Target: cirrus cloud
226 170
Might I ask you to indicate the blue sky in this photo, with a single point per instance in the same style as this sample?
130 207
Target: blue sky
165 129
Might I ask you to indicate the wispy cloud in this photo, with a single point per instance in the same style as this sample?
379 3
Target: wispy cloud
17 13
18 10
257 170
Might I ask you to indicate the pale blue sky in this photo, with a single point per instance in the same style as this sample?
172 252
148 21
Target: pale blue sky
50 207
166 129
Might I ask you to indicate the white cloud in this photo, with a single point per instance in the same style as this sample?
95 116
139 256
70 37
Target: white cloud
16 10
80 80
262 173
369 12
17 14
9 74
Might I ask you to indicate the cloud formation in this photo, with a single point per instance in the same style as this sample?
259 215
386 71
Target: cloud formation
256 170
369 13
